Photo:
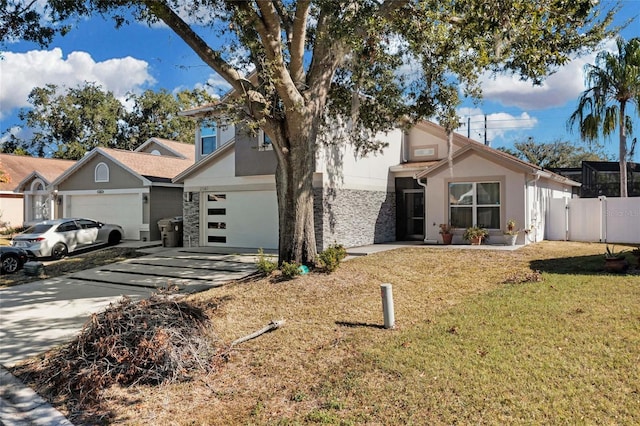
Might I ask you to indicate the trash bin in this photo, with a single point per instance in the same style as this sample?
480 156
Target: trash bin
171 231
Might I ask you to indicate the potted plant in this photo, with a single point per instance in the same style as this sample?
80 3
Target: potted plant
511 233
614 261
475 235
446 231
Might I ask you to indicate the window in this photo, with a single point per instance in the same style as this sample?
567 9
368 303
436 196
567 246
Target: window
264 142
217 225
208 137
67 226
216 197
216 239
156 152
474 203
217 212
37 186
102 173
88 224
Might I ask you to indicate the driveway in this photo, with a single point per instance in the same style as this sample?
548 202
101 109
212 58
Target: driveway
36 316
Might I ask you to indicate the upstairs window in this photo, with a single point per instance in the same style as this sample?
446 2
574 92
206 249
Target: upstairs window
264 142
208 137
102 173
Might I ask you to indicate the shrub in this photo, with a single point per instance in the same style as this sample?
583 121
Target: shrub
330 259
264 264
290 270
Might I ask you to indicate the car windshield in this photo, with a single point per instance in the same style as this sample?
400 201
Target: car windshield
40 228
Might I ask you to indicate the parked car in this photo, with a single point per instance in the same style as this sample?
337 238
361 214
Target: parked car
58 237
12 259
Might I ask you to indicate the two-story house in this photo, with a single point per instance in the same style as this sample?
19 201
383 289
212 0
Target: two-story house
402 194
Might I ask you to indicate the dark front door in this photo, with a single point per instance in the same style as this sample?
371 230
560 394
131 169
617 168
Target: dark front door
413 203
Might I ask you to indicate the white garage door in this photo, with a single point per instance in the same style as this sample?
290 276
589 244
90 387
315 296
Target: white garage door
122 209
247 219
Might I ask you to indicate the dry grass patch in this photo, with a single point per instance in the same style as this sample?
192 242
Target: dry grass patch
467 346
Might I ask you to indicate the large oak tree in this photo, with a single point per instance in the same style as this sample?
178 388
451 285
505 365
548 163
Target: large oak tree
298 65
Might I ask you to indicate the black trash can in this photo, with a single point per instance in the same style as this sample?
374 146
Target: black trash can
171 231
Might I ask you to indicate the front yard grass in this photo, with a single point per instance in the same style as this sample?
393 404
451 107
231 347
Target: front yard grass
481 337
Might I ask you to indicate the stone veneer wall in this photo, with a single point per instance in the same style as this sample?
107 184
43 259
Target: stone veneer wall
354 217
191 219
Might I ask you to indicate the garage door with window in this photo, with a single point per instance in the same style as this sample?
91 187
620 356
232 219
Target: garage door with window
247 219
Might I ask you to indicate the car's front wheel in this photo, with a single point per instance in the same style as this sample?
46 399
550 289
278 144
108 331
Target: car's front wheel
10 264
59 251
114 238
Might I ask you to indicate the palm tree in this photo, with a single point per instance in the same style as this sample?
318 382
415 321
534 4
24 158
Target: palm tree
613 88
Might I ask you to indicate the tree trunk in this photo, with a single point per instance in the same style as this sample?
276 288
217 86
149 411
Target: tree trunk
623 151
294 184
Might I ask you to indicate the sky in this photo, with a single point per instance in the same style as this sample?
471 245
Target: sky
135 58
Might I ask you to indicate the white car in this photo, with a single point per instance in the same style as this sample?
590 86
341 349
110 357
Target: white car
58 237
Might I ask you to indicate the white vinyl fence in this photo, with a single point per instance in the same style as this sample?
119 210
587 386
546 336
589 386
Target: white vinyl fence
613 220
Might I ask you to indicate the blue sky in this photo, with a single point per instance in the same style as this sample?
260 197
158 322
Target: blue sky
136 57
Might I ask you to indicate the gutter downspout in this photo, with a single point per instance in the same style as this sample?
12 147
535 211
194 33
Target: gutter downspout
404 148
528 214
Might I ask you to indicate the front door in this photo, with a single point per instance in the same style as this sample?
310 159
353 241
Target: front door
413 202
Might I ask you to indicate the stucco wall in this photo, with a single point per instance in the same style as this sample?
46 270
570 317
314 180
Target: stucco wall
164 202
342 167
84 177
11 209
474 168
249 160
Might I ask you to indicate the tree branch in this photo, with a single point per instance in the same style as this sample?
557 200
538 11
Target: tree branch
270 30
201 48
298 39
285 17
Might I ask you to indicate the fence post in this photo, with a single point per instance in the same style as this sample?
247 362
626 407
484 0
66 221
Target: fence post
603 218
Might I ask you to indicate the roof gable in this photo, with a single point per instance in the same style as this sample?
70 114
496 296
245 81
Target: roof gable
177 149
207 161
495 156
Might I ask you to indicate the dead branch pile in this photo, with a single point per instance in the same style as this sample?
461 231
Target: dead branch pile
152 341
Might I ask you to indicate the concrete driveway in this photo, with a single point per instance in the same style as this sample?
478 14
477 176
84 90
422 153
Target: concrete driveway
36 316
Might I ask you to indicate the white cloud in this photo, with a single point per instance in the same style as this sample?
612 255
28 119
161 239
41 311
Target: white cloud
21 72
561 87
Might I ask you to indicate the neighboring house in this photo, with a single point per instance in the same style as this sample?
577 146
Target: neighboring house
24 197
133 189
602 178
402 194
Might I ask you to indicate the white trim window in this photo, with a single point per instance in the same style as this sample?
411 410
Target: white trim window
39 201
474 204
208 137
102 173
264 142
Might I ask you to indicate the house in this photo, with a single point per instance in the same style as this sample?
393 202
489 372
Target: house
402 194
602 178
24 197
131 188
